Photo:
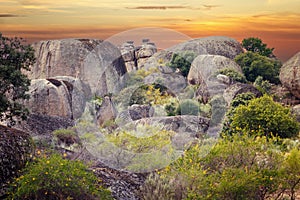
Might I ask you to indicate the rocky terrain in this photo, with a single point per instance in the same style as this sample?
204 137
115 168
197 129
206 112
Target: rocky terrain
75 81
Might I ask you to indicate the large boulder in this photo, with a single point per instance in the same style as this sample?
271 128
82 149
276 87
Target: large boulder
95 62
290 75
214 45
238 88
204 72
50 97
296 112
59 96
16 149
135 112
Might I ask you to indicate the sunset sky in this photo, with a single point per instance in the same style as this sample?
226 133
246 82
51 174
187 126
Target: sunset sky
276 22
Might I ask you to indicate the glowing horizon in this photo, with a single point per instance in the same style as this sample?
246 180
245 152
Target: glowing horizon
275 22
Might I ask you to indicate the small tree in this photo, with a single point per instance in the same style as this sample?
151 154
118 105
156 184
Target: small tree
256 45
14 57
254 65
182 61
265 116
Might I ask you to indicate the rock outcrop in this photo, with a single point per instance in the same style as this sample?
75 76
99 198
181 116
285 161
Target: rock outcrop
41 126
290 75
204 72
123 184
97 63
16 150
135 57
58 96
215 45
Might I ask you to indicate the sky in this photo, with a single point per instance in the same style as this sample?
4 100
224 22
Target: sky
276 22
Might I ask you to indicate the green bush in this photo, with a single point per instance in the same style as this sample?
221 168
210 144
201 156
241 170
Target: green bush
182 61
188 107
254 65
57 178
234 75
264 86
265 116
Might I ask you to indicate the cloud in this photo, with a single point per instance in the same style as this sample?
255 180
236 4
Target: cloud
157 7
4 15
203 7
209 7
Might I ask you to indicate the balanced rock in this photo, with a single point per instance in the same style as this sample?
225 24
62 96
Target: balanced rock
136 56
95 62
290 75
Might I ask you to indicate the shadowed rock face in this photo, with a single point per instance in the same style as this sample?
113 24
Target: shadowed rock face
95 62
290 75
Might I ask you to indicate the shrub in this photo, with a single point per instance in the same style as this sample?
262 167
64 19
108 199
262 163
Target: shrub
182 61
265 116
264 86
254 65
171 107
234 75
66 136
188 107
239 167
141 140
240 99
57 178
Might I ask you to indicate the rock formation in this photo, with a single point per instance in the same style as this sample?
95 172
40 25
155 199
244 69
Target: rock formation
95 62
135 57
58 96
215 45
290 75
238 88
204 72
